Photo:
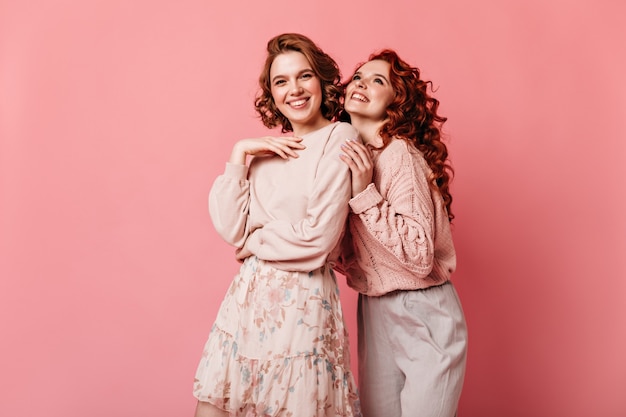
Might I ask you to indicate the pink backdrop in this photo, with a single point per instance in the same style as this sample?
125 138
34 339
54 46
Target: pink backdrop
116 115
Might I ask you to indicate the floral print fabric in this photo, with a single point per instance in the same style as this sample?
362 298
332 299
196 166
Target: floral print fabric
279 347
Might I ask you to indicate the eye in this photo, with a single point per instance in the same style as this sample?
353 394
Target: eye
379 81
279 82
307 76
356 77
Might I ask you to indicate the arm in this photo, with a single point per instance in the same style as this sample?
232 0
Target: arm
403 223
347 264
358 157
229 198
311 239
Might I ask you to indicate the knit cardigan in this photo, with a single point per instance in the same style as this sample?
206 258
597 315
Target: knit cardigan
398 235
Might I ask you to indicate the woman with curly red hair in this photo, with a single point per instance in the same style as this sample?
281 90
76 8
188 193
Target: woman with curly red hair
398 250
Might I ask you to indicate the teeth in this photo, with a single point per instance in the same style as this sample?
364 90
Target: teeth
359 97
298 102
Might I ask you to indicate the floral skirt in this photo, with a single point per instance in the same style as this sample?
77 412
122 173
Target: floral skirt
279 347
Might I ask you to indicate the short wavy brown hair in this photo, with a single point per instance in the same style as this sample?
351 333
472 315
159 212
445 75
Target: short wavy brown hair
324 67
412 116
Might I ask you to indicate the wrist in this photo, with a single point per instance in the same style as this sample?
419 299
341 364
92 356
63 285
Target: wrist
237 155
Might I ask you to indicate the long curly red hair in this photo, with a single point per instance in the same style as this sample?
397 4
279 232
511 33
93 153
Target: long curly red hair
412 116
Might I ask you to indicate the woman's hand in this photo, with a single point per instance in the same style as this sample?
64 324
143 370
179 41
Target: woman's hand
359 158
268 145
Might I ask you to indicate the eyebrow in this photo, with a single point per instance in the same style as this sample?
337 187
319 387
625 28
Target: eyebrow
299 74
375 75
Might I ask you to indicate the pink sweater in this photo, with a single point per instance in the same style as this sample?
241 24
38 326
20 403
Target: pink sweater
288 212
398 235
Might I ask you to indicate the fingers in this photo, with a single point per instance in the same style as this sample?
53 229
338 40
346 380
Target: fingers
348 161
358 154
285 147
359 160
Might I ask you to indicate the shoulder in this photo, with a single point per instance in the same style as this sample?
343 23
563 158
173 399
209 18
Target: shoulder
336 134
396 154
346 130
399 156
401 150
343 129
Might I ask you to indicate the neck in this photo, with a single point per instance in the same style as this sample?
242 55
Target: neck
368 129
301 130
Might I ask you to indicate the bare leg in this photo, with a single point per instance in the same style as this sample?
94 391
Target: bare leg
204 409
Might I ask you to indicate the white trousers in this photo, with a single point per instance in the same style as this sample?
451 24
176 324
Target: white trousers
412 353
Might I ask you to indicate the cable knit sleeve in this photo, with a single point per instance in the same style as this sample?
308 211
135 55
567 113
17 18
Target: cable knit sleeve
403 222
229 201
310 240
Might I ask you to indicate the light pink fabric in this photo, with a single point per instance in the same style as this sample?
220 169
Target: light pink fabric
399 235
294 211
279 346
399 254
412 353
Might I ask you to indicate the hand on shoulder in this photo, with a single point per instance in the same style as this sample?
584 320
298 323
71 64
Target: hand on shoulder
358 157
283 146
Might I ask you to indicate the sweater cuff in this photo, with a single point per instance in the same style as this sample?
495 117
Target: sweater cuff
236 171
366 199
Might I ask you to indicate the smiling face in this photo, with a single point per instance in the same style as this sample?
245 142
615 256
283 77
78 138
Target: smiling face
370 92
297 92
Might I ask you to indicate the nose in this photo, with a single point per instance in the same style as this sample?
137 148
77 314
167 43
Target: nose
297 89
360 84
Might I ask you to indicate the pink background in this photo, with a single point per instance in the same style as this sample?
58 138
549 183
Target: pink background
116 115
